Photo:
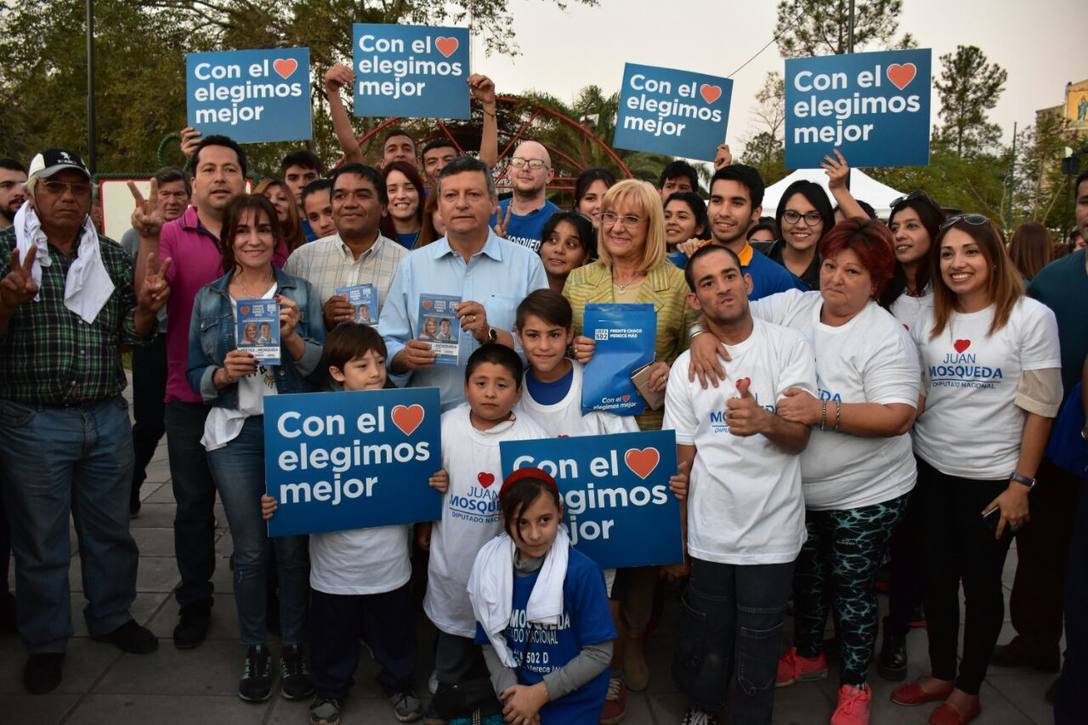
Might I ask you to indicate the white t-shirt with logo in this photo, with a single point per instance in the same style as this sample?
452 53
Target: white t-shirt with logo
565 418
870 359
745 504
970 426
361 561
470 512
912 311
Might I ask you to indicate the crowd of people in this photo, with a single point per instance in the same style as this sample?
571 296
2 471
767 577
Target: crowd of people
849 395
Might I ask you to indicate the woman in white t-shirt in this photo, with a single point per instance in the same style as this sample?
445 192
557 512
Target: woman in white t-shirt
915 221
235 384
857 471
992 380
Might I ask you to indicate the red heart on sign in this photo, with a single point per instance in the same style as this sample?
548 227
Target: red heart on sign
285 67
626 398
710 93
902 74
446 46
407 417
961 345
643 462
485 479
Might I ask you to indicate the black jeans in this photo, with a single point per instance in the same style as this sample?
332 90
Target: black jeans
960 547
907 569
194 492
731 634
148 408
385 621
1074 680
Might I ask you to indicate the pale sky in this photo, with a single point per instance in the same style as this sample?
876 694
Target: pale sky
1042 44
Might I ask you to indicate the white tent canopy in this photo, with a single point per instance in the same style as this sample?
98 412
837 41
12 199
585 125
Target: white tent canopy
862 186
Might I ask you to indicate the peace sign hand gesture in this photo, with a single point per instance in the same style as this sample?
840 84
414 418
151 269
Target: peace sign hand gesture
155 291
147 218
19 285
504 221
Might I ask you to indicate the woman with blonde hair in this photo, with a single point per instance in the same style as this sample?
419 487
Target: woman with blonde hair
632 268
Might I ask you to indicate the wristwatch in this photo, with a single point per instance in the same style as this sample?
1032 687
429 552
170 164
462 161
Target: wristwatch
1029 482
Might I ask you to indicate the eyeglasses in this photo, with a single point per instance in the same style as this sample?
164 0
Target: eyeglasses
914 195
974 220
812 218
630 221
59 187
535 164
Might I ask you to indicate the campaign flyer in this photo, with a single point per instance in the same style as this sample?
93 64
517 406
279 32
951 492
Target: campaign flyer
365 301
258 330
438 326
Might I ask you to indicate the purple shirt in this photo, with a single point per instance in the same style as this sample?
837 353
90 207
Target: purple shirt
197 261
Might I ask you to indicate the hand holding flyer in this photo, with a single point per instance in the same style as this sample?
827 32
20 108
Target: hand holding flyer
365 302
257 330
438 326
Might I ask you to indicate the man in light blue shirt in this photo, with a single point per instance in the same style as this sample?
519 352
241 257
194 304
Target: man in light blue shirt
490 275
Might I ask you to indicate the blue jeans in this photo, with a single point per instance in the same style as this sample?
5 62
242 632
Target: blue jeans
731 633
55 461
238 470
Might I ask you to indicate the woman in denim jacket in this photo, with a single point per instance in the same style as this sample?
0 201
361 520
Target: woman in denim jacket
235 384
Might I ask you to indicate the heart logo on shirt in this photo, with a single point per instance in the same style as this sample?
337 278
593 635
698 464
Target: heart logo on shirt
747 382
961 345
642 462
485 479
710 93
902 74
407 417
285 67
446 46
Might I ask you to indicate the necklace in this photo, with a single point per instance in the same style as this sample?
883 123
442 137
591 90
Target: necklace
636 279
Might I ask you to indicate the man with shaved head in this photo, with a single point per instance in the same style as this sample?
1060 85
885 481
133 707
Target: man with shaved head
521 218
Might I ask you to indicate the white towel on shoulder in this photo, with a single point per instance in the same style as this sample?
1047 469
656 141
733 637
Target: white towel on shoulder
491 589
88 286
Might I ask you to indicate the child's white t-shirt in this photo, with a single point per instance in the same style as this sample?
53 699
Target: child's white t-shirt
869 359
565 418
470 512
745 504
361 561
971 427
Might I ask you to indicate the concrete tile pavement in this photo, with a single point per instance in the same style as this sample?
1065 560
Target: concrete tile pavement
197 687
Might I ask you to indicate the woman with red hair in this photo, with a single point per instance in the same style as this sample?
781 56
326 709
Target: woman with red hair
857 470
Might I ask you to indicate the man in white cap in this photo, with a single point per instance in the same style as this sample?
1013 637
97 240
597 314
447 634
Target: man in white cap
67 304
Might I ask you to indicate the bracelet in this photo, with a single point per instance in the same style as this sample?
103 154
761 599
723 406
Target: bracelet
823 415
696 330
838 415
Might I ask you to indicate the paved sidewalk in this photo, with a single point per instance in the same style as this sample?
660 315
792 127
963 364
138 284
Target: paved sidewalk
103 685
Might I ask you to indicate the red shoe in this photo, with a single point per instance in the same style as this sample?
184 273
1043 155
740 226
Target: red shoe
792 668
912 694
948 715
853 708
615 702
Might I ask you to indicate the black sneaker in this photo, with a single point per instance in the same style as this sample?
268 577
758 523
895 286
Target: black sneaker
42 672
131 637
193 624
295 680
256 682
326 711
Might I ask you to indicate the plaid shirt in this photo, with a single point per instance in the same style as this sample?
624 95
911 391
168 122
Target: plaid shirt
49 356
328 264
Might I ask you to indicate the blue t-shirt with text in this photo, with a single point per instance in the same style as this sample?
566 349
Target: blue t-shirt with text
525 230
586 621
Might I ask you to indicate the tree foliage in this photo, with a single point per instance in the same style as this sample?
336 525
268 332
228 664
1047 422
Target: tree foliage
821 27
969 86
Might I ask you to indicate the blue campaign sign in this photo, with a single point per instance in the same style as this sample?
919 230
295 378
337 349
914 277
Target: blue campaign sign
616 498
351 460
672 112
874 107
418 71
250 95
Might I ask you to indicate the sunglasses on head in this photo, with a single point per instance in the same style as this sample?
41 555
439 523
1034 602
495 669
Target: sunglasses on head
972 219
914 195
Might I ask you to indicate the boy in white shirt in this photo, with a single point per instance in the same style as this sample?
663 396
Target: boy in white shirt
471 477
745 517
359 578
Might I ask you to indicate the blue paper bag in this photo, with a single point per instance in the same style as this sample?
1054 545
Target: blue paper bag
625 335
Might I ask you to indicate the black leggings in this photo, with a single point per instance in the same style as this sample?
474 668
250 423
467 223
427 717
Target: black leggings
960 547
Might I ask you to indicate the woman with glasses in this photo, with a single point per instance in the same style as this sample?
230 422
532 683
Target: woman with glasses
992 385
803 215
632 268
